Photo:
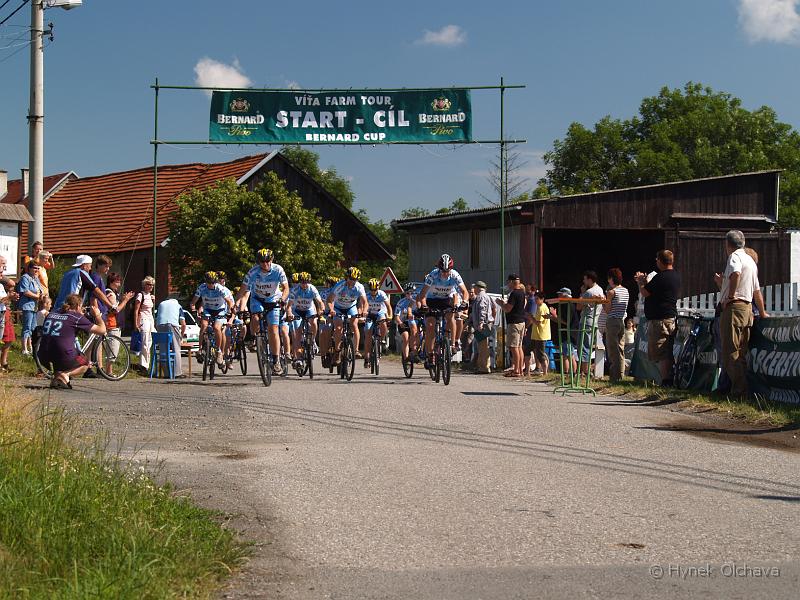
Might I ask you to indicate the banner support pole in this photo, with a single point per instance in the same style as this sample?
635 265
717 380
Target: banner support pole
502 186
155 187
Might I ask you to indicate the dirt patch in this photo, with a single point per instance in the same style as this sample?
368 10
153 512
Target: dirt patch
238 455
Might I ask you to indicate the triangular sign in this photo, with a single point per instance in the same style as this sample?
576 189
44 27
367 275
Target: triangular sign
389 282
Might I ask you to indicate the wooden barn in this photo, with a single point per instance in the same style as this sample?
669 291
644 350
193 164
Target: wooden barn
550 242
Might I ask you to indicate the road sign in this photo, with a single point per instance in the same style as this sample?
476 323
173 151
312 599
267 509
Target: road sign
389 283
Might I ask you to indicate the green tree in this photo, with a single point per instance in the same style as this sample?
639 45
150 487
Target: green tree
221 227
308 162
457 205
679 134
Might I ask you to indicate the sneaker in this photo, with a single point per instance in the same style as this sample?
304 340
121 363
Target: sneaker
201 357
366 363
276 369
26 353
90 374
537 373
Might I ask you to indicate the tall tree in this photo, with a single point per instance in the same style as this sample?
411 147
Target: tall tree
679 134
510 170
308 162
221 227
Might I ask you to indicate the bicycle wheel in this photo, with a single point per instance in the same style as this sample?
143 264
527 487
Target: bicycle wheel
116 358
684 368
408 365
376 355
446 358
241 351
349 364
262 358
207 358
45 368
212 364
308 354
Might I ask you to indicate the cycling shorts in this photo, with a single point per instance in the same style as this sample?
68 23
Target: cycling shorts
297 323
439 303
215 315
371 318
407 325
339 312
271 309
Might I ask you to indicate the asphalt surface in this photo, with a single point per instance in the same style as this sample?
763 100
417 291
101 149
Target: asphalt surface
487 488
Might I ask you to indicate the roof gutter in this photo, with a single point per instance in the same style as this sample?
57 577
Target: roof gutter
451 217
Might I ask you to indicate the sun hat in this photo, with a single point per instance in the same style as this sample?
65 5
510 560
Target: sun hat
82 260
480 284
565 291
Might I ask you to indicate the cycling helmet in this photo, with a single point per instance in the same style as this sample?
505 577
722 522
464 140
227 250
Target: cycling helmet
446 262
211 276
353 273
295 277
332 280
410 287
373 284
264 255
305 277
221 275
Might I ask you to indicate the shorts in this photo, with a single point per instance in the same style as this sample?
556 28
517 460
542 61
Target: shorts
527 345
439 303
407 325
215 315
340 312
540 351
514 334
296 324
8 329
660 337
371 318
63 363
260 305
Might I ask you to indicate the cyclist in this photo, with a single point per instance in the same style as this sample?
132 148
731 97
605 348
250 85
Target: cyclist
406 320
346 297
290 323
304 301
379 310
266 287
217 303
437 294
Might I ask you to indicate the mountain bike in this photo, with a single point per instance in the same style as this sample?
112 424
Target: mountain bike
263 356
440 364
306 363
237 350
210 353
408 361
377 346
683 370
347 351
108 352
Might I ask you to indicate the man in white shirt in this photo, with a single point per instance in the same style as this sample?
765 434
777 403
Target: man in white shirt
739 284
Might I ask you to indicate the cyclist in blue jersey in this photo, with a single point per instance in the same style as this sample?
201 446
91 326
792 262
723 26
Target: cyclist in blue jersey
304 301
266 288
294 284
379 309
326 318
406 321
217 307
437 294
347 297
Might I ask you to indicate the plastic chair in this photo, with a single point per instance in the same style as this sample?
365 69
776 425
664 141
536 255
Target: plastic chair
163 357
550 349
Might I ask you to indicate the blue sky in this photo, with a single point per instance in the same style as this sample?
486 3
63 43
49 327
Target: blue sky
581 60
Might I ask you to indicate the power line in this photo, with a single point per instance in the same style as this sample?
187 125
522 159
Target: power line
15 11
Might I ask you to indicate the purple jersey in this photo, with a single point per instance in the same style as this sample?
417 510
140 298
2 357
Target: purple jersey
59 332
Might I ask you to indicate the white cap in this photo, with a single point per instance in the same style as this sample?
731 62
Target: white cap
83 259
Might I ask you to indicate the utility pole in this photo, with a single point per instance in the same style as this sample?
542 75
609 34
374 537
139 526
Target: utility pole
36 126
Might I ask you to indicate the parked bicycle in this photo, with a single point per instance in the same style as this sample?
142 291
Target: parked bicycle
686 361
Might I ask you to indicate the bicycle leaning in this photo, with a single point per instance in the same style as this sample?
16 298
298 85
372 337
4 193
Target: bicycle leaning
686 361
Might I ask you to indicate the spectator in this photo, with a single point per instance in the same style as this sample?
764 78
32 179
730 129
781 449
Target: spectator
759 310
78 281
113 284
45 304
58 340
616 311
169 318
527 341
661 295
738 284
30 292
540 333
45 261
482 322
589 313
468 356
7 295
514 308
564 316
630 341
143 319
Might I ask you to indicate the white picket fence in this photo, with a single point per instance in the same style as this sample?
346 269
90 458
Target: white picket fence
780 301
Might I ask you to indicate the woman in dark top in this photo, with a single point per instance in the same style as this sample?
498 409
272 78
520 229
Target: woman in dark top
58 340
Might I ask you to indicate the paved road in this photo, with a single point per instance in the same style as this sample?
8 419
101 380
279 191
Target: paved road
488 488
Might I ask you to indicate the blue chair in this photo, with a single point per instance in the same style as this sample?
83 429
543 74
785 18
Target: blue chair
163 357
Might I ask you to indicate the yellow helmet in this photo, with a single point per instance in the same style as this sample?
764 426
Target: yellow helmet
211 276
265 255
373 284
353 273
305 277
295 277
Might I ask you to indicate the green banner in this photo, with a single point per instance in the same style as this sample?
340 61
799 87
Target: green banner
774 359
342 117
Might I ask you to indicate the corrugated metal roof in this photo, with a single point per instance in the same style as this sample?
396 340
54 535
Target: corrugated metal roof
14 212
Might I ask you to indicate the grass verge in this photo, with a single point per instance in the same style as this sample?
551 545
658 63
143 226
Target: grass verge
755 411
76 521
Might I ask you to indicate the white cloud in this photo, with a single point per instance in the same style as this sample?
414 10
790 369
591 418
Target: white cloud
770 20
211 73
293 85
449 35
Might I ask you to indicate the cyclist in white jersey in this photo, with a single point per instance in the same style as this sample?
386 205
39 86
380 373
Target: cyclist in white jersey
406 321
217 307
437 294
304 301
379 310
266 287
330 283
347 297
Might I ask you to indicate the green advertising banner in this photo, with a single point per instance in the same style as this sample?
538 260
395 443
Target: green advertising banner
341 117
773 359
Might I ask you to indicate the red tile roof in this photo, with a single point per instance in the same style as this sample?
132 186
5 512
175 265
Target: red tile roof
14 195
114 212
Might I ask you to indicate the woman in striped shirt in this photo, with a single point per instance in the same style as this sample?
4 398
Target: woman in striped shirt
615 325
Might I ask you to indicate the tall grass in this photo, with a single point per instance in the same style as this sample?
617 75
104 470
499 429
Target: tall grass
76 521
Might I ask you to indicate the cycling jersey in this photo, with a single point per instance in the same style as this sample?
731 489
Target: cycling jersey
346 297
266 284
377 304
439 288
213 297
402 307
303 300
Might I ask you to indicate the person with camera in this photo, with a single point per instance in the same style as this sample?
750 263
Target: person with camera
58 340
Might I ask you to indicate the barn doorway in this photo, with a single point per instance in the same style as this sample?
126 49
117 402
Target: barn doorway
567 253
